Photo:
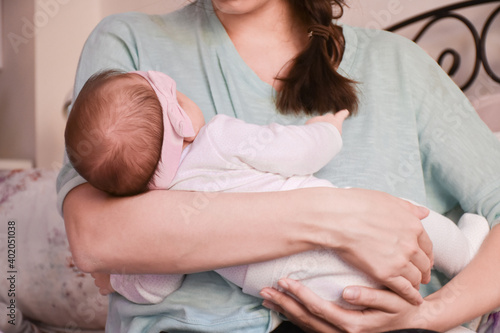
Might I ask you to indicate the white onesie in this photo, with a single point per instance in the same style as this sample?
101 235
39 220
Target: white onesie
229 155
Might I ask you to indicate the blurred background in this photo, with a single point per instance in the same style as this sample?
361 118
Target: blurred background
41 41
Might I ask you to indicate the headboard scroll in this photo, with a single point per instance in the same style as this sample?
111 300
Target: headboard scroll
479 35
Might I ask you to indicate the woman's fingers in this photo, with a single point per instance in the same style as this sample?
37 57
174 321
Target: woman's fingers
415 267
382 300
426 261
405 289
420 212
422 267
315 304
101 280
408 282
310 318
423 259
382 310
384 237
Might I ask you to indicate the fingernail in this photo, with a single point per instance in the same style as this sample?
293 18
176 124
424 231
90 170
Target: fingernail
350 293
423 210
265 295
283 284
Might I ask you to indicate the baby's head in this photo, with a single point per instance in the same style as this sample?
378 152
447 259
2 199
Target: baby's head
118 131
114 132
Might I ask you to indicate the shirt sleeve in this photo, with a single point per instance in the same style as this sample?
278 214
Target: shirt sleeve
110 46
286 150
460 155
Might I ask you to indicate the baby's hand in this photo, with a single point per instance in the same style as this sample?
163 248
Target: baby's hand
335 119
103 282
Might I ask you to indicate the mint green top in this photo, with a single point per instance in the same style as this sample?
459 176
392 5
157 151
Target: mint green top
416 136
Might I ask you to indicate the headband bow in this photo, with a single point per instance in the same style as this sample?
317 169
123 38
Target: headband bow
176 126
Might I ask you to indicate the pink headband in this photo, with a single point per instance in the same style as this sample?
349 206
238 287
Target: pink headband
176 124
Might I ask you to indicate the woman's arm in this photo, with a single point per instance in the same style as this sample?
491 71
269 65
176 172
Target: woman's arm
183 232
470 294
475 291
175 231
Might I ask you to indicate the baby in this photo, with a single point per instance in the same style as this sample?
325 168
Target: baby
132 132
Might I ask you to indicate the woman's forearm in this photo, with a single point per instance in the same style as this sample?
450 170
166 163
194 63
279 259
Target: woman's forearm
471 293
184 232
181 232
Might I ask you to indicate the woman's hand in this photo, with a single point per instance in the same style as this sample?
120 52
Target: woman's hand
379 234
384 309
383 236
472 293
103 282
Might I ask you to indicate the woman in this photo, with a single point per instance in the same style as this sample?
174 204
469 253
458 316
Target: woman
230 53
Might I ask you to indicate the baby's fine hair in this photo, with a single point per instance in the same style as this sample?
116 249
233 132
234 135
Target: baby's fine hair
114 133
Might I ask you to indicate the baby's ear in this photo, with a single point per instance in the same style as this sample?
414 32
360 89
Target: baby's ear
189 139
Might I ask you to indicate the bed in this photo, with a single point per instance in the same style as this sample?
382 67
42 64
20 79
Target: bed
469 54
52 295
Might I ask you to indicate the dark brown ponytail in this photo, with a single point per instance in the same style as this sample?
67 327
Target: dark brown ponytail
313 84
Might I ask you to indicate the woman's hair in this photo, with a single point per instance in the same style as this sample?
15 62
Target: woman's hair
114 133
313 84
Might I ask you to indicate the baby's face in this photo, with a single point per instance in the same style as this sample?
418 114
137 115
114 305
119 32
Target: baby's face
194 113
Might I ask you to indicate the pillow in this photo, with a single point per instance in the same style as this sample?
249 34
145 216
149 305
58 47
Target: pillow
49 290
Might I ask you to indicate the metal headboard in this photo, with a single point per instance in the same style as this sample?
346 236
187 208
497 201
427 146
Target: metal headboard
480 38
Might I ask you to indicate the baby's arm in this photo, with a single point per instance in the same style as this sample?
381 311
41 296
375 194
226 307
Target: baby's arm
336 119
286 150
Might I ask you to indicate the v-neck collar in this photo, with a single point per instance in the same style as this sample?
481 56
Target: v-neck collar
229 56
230 60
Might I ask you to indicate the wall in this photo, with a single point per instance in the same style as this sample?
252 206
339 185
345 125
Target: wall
39 63
382 13
60 37
147 6
17 103
42 40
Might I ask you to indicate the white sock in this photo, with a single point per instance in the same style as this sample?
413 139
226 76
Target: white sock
475 227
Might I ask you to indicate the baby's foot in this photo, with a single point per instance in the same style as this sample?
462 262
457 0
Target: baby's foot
475 228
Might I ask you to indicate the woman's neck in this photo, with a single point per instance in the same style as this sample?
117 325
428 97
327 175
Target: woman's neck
266 36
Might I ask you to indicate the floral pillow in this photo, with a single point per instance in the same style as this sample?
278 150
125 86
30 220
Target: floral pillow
41 289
